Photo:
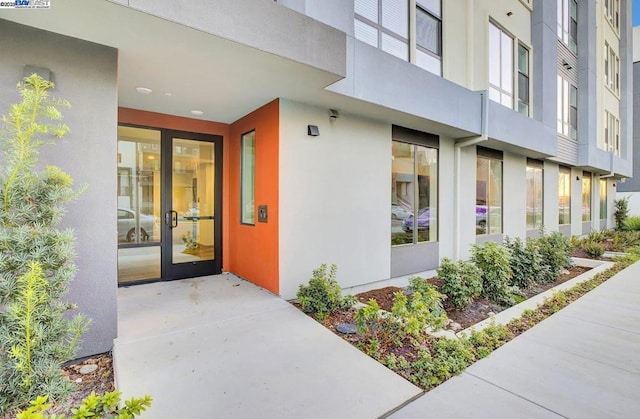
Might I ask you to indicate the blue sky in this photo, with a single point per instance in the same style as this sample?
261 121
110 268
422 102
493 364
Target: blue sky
636 12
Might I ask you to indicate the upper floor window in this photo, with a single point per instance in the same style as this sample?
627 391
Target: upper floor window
612 13
523 80
384 24
611 133
568 23
611 69
567 109
500 66
429 35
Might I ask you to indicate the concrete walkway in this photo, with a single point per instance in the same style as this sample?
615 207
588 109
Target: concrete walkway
583 362
220 347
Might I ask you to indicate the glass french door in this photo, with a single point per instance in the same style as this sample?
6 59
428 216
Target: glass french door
191 244
169 201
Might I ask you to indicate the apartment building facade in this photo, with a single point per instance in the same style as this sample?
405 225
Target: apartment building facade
264 138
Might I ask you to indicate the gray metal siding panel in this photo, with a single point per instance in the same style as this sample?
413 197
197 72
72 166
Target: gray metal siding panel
565 55
567 151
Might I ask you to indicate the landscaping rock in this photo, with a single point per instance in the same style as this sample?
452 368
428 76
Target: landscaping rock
88 369
455 327
346 328
491 314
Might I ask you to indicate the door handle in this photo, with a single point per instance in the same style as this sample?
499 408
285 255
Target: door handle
171 219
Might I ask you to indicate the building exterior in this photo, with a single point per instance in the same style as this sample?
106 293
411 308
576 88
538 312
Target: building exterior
630 188
265 138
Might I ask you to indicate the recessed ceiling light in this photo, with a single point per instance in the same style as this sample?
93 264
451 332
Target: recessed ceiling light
198 113
143 90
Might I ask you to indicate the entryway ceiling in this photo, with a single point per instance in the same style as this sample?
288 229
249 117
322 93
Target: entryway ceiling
185 68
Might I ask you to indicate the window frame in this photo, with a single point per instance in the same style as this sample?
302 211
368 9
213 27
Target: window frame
501 90
381 29
491 156
611 69
537 167
587 192
422 8
566 107
603 202
567 21
611 133
250 220
612 14
526 76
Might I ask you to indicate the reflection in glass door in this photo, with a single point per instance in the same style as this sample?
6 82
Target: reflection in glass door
139 158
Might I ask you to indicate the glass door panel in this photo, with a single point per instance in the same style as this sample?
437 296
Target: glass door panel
193 179
138 188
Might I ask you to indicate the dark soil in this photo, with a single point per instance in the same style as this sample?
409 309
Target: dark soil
100 381
479 310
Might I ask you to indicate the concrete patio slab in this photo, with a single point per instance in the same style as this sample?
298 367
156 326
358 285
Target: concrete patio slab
239 351
467 396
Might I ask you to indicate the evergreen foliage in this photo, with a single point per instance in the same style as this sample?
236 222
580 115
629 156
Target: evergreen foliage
621 213
36 257
323 295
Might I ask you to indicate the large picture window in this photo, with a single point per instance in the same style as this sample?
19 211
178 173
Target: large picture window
248 178
414 194
534 194
567 108
488 194
564 196
586 196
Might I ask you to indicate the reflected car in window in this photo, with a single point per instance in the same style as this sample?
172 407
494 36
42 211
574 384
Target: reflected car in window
127 226
399 212
424 218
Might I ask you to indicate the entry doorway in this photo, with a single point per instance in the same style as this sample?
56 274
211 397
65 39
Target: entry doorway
169 204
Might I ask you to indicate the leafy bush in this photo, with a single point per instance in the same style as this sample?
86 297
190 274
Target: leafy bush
494 263
593 248
621 212
462 282
632 223
489 339
524 262
105 406
323 295
37 334
554 250
421 310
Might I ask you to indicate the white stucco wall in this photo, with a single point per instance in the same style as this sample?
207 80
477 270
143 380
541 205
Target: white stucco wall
334 197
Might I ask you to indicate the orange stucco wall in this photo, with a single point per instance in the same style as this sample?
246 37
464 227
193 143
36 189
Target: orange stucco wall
253 250
159 120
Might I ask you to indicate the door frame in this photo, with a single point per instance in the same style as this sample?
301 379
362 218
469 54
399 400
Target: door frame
168 270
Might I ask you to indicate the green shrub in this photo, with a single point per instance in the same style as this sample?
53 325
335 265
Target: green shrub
621 212
323 295
489 339
421 310
37 333
105 406
632 223
452 356
524 262
493 261
554 250
593 248
462 282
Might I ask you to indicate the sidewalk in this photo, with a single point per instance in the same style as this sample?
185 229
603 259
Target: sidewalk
583 362
220 347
